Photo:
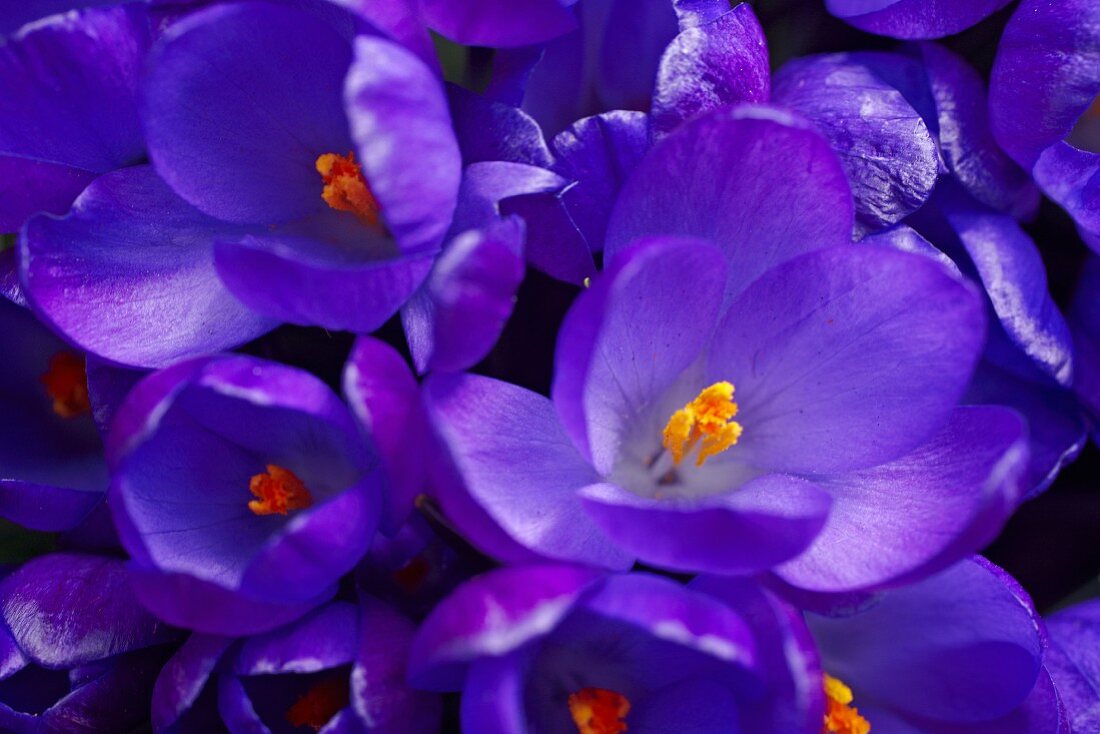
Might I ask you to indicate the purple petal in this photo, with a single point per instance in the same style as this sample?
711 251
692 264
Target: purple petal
913 18
498 23
230 137
492 615
454 321
754 527
1045 65
1012 272
45 507
1073 663
327 637
493 131
921 513
519 465
884 144
710 65
380 695
905 238
188 602
385 399
1085 322
1071 177
696 12
625 62
730 177
402 130
628 338
116 699
599 153
184 676
303 280
107 388
129 274
847 357
68 110
401 20
66 610
493 693
963 646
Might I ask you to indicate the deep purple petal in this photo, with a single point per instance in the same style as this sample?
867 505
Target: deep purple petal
754 527
230 137
385 399
711 65
628 338
498 23
493 693
185 601
129 274
913 18
401 20
108 386
403 134
963 646
520 466
847 357
306 281
327 637
884 144
115 698
966 139
66 610
599 153
1073 662
1085 322
625 64
45 507
492 615
456 318
29 186
921 513
756 181
380 696
1071 177
1046 67
184 676
493 131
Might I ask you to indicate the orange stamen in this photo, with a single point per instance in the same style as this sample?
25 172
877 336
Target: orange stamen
320 703
599 711
709 417
67 383
278 491
346 189
840 716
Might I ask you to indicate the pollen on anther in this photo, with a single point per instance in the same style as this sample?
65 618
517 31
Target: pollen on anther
66 382
345 187
709 417
841 717
599 711
277 492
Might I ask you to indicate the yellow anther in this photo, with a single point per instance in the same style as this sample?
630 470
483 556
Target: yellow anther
840 716
708 417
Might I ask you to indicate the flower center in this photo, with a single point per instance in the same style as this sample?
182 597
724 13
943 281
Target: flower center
346 189
278 491
319 704
598 711
708 417
840 716
66 383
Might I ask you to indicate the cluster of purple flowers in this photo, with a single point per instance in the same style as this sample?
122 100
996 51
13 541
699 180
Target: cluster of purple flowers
684 379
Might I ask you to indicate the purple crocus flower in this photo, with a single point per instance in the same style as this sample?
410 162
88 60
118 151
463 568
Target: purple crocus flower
1071 660
242 489
339 669
78 653
959 653
304 170
564 649
1046 67
68 102
748 404
52 470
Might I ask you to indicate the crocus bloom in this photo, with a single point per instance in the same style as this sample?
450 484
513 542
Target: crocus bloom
1043 84
961 652
52 470
563 649
78 653
745 405
340 668
1072 661
242 489
323 200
